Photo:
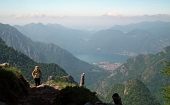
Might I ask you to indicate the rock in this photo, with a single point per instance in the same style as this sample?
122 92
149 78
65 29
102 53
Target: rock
88 103
2 103
50 78
40 95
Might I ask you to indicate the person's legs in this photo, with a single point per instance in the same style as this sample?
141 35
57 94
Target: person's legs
38 81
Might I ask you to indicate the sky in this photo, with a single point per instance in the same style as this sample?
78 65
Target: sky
83 14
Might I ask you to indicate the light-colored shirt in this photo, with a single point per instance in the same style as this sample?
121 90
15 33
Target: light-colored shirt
37 74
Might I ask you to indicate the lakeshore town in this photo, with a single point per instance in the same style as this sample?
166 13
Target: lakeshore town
108 65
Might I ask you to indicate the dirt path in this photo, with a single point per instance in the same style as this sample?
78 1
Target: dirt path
41 95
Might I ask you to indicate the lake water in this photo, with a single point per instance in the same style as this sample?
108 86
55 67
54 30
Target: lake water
94 58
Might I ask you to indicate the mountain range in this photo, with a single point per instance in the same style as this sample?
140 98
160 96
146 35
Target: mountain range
69 39
132 39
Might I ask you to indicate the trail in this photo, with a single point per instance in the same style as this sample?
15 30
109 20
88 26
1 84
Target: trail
41 95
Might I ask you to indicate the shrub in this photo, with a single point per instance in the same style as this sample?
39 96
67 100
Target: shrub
75 96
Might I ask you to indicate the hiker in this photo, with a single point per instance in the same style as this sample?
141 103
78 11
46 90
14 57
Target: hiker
37 75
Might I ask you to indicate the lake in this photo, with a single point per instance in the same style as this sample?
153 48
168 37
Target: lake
94 58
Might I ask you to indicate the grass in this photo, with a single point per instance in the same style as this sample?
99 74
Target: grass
12 84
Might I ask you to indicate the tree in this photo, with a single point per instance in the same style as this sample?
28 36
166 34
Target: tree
166 88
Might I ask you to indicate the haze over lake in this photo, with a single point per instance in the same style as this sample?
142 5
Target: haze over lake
94 58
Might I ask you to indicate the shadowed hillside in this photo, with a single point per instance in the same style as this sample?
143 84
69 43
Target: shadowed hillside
12 85
16 90
27 65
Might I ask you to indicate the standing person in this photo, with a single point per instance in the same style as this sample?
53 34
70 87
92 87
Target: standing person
37 75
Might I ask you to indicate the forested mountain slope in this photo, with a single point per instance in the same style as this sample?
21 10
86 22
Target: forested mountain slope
27 65
133 92
146 68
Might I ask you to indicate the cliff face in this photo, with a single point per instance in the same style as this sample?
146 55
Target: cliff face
18 41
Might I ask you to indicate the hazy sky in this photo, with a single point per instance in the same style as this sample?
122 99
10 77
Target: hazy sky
83 14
